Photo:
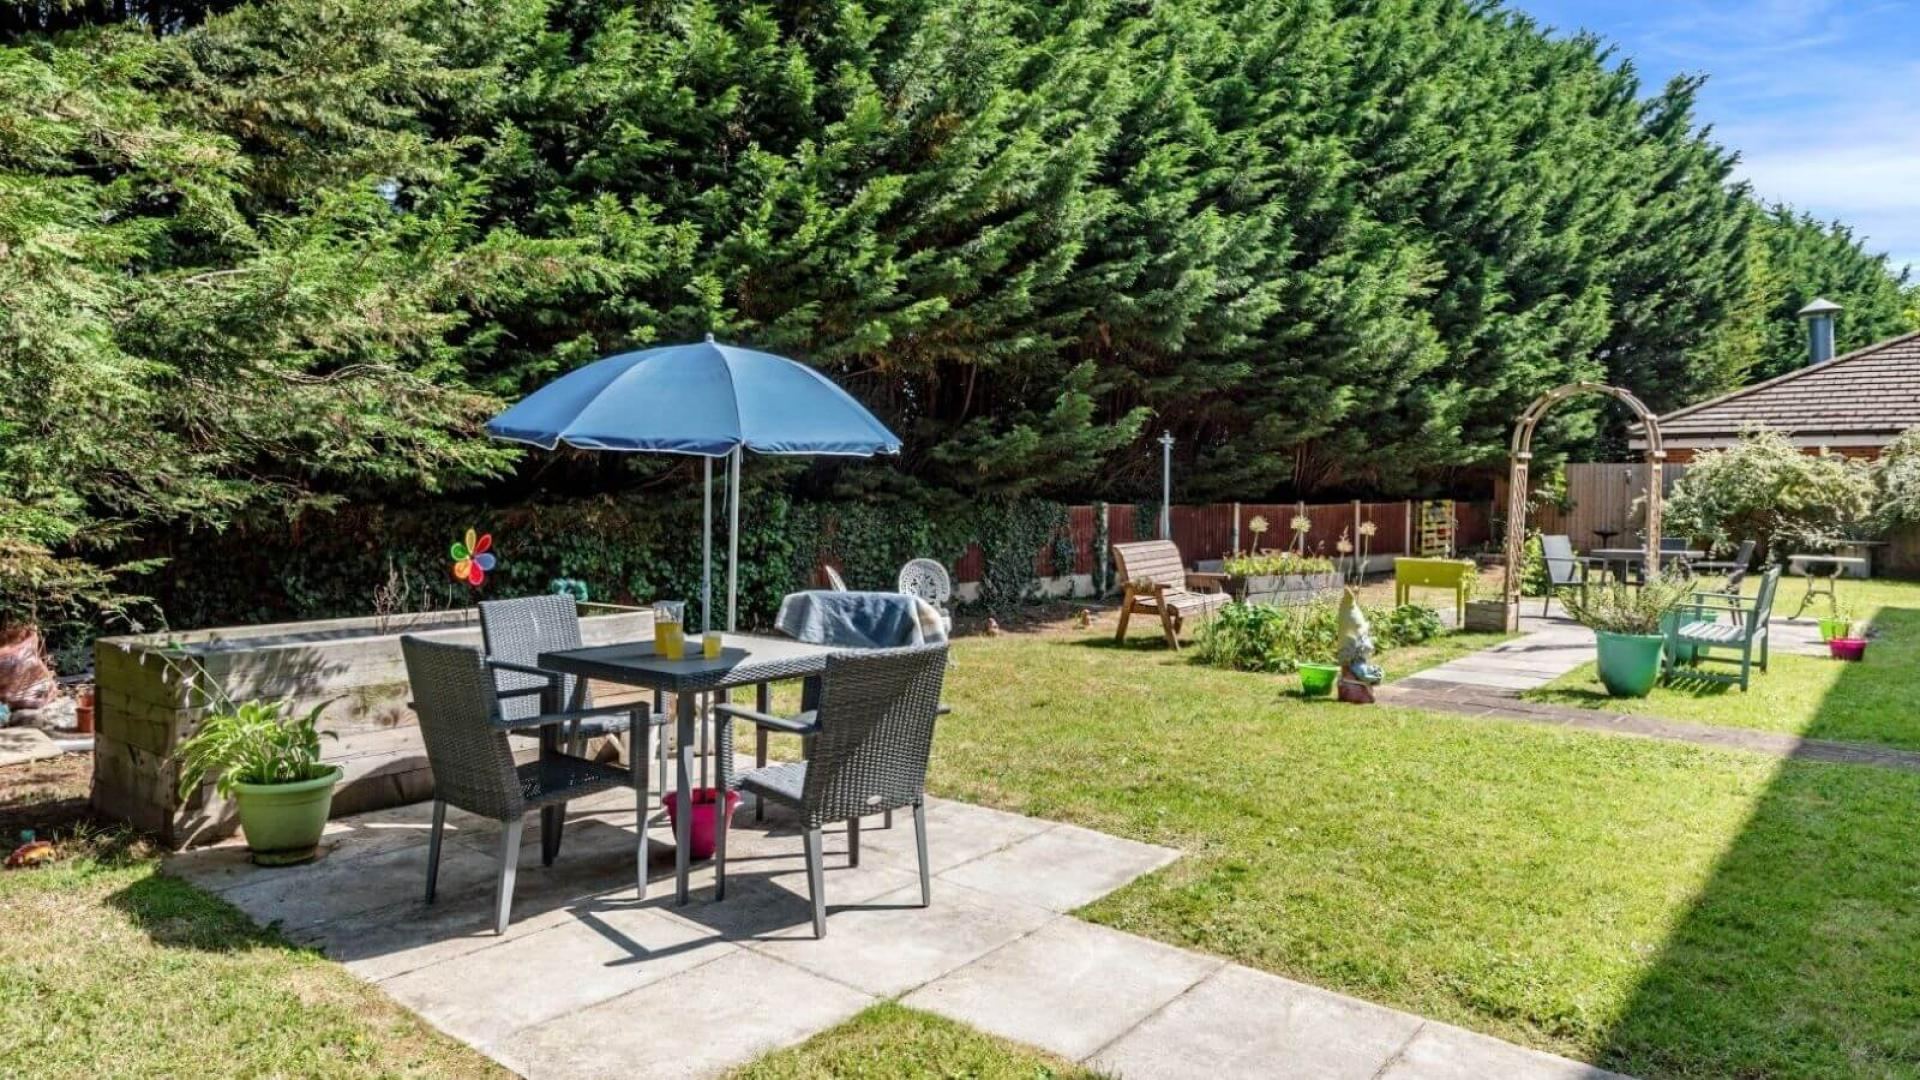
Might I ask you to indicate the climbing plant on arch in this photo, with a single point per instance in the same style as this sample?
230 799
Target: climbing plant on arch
1521 456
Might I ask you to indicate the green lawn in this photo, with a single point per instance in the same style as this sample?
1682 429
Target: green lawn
1659 908
109 969
890 1042
1869 702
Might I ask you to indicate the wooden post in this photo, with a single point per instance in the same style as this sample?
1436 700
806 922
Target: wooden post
1406 538
1516 534
1236 528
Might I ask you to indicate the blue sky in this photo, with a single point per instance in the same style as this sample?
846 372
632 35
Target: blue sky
1820 97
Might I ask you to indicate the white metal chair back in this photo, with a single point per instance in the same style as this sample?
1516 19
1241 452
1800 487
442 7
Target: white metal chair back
927 580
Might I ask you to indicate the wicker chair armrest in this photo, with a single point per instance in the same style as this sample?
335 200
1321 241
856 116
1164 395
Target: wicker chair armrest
524 669
777 723
544 719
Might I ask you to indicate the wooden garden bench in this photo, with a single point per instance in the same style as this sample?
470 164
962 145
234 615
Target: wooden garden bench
1157 583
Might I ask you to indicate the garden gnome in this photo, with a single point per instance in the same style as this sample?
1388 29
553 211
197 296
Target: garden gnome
1358 673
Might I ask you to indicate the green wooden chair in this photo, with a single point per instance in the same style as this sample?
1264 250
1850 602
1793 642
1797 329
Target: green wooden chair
1698 630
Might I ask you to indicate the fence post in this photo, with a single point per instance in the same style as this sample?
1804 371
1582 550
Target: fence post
1406 539
1354 537
1236 528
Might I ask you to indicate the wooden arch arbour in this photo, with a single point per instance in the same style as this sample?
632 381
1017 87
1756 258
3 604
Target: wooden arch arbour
1521 455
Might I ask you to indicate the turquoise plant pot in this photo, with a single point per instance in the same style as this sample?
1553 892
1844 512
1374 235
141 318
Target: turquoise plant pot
1629 663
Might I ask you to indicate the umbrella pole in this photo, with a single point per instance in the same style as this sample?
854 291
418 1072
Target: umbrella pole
733 536
706 547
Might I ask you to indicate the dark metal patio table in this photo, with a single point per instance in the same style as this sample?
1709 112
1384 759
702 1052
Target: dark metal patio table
744 660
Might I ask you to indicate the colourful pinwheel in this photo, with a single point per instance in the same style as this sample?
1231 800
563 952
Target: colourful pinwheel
471 560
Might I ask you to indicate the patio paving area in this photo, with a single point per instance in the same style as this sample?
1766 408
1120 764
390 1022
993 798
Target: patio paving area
590 981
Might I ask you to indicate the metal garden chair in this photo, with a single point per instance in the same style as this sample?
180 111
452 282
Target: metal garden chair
465 731
869 743
1735 568
928 580
1698 629
515 633
1566 572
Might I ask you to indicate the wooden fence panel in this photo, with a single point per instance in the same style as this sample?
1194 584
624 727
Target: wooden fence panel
1390 524
1603 496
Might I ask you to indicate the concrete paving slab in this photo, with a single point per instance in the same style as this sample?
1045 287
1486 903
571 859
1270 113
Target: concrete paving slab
227 865
1069 987
386 942
892 945
1444 1052
19 745
771 903
332 889
486 995
1060 869
1240 1022
696 1023
956 833
1486 679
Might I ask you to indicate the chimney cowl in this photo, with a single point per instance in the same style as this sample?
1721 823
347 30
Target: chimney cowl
1819 316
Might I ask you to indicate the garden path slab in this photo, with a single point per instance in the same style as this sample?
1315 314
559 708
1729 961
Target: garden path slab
19 745
591 979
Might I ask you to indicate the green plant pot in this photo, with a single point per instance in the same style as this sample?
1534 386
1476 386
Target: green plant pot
1629 663
1832 627
1316 680
283 822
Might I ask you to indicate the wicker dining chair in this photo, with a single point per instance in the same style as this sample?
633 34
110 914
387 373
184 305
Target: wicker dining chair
515 633
868 748
465 732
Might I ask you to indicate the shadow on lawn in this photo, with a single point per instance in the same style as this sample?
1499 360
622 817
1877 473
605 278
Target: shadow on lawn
1801 954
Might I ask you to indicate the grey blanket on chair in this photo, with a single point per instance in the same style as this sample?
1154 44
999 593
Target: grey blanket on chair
858 620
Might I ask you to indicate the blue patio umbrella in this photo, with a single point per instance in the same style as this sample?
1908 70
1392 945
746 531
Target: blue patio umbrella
706 399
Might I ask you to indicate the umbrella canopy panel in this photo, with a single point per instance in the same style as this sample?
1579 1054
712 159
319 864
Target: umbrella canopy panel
703 399
706 399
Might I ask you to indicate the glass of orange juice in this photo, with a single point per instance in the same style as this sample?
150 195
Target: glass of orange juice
669 629
710 645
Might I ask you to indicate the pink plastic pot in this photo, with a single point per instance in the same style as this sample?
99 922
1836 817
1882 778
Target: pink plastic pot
701 846
1847 648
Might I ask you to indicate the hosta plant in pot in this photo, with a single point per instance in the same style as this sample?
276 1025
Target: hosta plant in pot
1629 627
269 763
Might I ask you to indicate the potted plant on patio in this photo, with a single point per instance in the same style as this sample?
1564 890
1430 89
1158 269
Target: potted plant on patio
269 764
1629 627
1848 641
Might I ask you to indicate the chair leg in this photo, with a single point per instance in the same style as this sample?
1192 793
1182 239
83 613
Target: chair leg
553 822
816 886
853 842
720 840
886 820
433 846
509 862
1126 613
637 755
1169 627
920 842
661 752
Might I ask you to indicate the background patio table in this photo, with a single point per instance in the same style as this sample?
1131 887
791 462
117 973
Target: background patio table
1805 564
745 660
1626 558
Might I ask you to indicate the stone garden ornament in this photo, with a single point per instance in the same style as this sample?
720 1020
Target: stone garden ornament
1358 673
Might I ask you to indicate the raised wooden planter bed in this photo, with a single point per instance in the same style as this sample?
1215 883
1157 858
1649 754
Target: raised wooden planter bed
141 713
1286 590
